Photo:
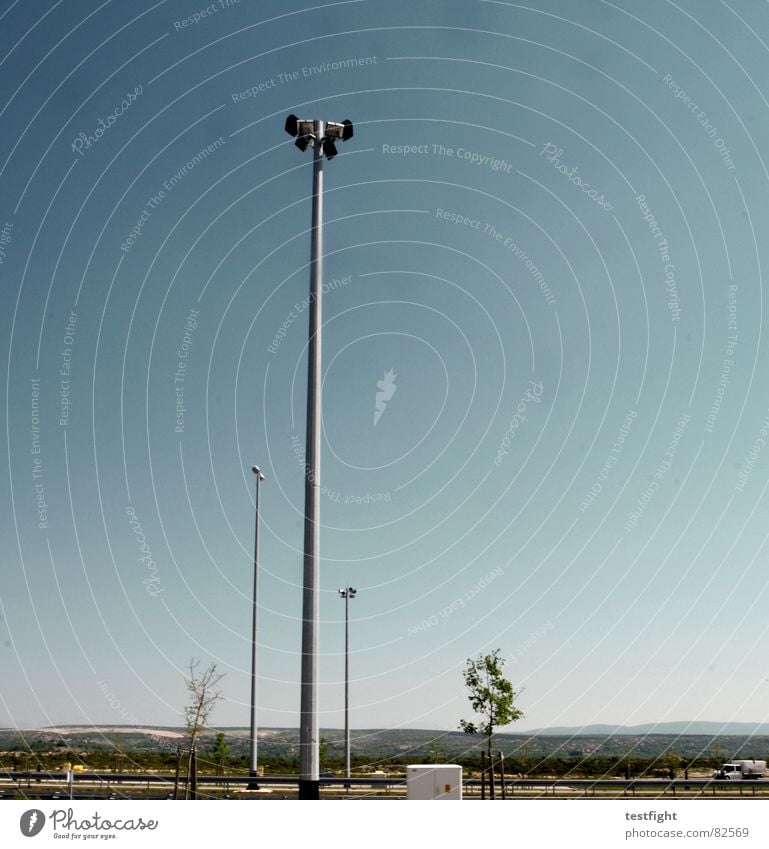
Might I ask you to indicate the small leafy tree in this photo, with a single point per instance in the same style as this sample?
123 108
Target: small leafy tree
669 761
220 751
625 763
718 754
436 754
491 695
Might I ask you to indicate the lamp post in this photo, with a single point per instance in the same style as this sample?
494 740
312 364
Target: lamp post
252 752
347 593
320 136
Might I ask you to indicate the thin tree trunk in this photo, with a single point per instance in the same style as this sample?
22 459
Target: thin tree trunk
491 771
189 769
194 775
178 770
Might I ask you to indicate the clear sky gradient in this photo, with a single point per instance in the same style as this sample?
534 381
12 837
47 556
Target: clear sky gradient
549 227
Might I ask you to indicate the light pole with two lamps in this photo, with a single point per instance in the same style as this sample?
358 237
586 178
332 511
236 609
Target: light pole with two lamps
347 593
252 764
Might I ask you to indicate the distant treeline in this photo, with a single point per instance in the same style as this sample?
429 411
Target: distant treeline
545 755
553 766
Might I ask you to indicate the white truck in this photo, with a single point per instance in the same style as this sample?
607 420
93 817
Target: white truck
741 771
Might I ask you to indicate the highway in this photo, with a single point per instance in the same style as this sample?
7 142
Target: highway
91 785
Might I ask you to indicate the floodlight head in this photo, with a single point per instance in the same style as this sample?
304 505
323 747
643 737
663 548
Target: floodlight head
301 129
329 148
337 130
258 472
305 127
351 591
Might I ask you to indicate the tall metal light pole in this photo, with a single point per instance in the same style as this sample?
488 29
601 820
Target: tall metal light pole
320 135
252 753
347 593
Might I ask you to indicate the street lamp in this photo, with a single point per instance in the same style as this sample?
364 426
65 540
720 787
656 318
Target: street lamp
252 753
347 593
319 135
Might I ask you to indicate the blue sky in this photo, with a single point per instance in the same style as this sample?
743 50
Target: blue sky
547 227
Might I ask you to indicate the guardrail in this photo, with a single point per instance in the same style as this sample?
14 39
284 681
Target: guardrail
513 786
638 784
167 778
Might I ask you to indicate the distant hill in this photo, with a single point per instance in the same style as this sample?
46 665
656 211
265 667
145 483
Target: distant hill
711 729
380 746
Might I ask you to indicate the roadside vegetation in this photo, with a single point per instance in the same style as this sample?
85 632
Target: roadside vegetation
217 758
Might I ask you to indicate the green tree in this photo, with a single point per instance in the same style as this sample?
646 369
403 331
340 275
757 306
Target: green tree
491 695
718 754
436 754
670 762
322 752
220 751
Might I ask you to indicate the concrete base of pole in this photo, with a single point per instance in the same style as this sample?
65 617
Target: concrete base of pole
253 784
309 789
